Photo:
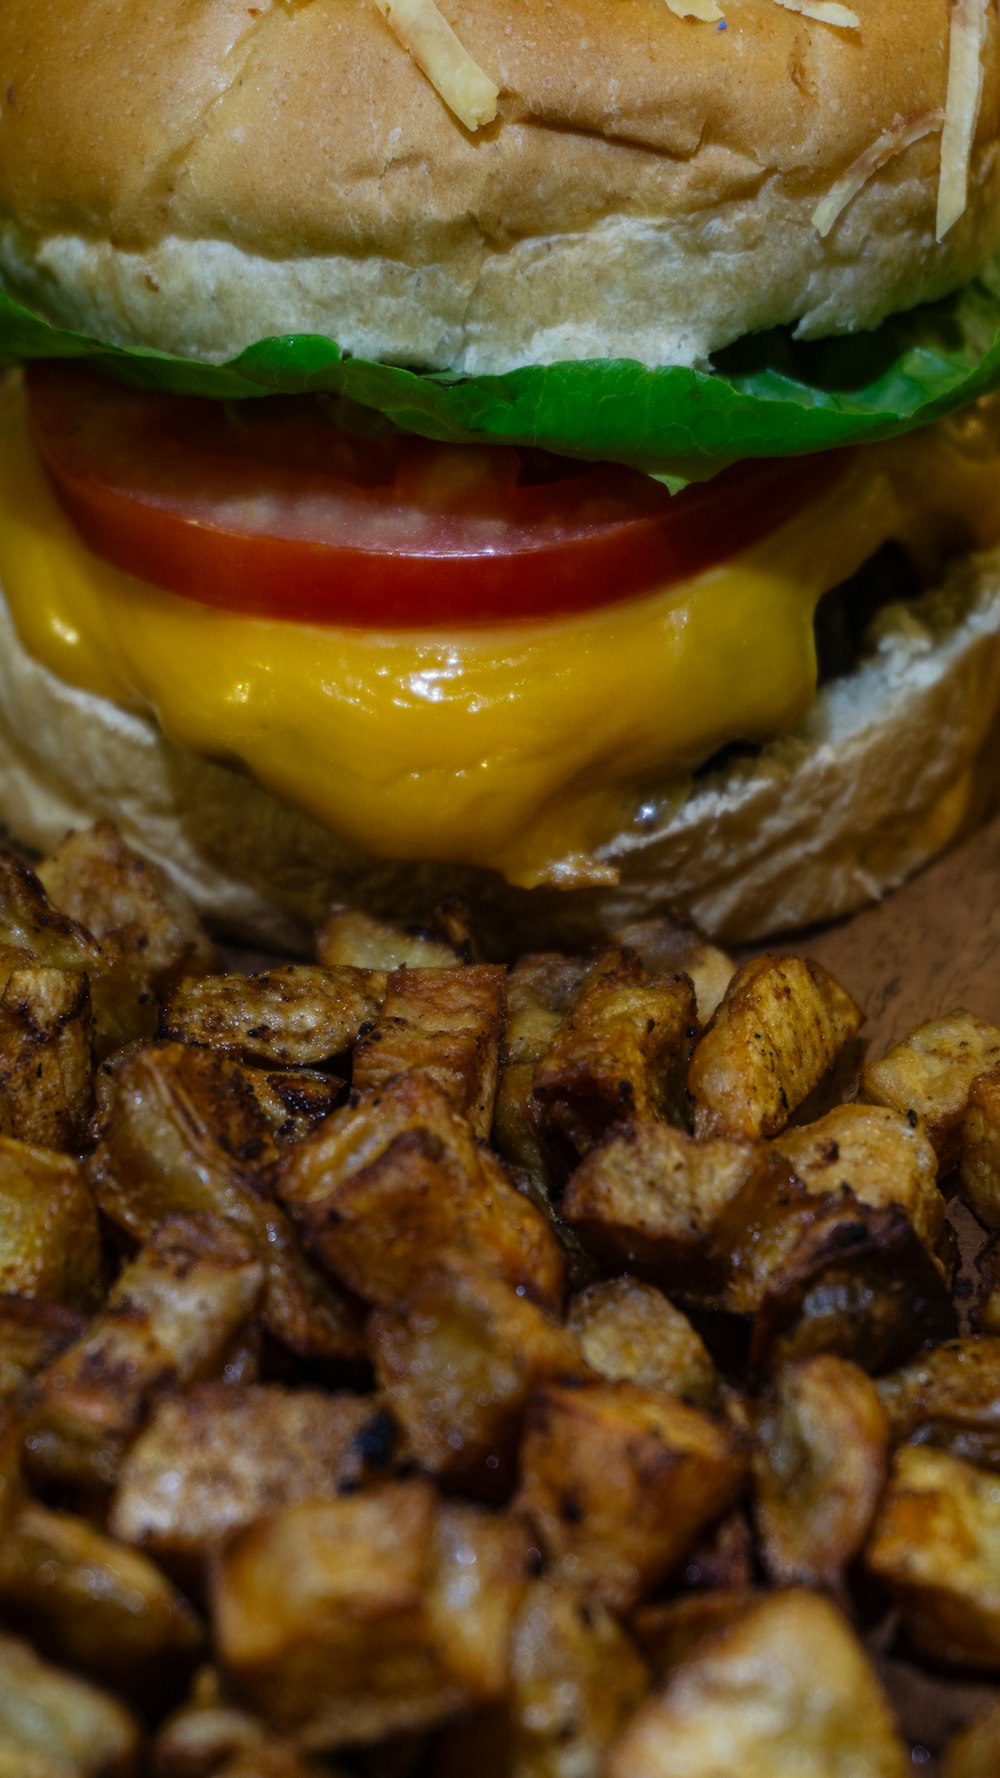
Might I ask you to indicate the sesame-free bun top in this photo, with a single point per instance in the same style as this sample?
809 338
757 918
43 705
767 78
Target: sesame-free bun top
197 174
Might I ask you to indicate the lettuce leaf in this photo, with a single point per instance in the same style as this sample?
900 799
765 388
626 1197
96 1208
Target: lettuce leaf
769 395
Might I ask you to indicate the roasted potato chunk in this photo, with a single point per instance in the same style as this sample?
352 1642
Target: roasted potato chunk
294 1102
820 1463
171 1318
54 1723
94 1603
446 1024
540 991
214 1459
936 1547
879 1154
979 1159
298 1015
49 1241
777 1032
783 1691
975 1752
931 1073
949 1397
181 1130
32 1334
456 1361
620 1053
352 937
618 1483
392 1183
629 1330
356 1619
29 921
668 944
46 1057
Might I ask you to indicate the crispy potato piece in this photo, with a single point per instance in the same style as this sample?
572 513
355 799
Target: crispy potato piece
540 991
930 1074
294 1016
456 1361
620 1053
979 1158
668 944
394 1182
783 1691
777 1032
879 1154
29 920
356 1619
975 1752
936 1547
294 1102
618 1483
52 1717
32 1334
669 1631
49 1241
820 1463
651 1196
444 1023
95 1603
214 1459
181 1130
575 1677
171 1318
950 1398
46 1057
630 1330
349 936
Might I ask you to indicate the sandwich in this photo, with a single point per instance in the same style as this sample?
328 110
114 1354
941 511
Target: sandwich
543 453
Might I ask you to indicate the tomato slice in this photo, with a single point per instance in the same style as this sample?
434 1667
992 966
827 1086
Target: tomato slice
266 508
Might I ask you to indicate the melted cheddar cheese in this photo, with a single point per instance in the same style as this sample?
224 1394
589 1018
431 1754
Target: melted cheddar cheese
521 747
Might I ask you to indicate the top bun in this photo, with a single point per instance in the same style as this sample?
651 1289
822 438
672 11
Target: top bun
198 174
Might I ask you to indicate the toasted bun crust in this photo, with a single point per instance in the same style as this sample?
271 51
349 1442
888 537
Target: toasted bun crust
750 853
200 173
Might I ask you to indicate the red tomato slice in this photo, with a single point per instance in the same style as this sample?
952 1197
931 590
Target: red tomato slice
265 508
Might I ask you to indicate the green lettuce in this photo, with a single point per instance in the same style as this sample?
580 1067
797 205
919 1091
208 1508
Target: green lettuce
769 395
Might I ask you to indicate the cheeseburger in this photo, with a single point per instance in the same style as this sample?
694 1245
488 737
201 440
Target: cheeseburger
543 450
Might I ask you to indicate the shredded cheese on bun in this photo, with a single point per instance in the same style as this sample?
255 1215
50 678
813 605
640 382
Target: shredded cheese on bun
825 12
456 78
900 134
961 108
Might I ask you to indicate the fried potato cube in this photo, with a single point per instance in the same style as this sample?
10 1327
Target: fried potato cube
351 937
95 1603
630 1330
778 1031
444 1023
117 895
394 1182
214 1459
294 1016
46 1057
651 1196
784 1690
171 1318
29 920
58 1724
949 1397
936 1547
455 1362
879 1154
975 1751
669 944
181 1130
930 1075
356 1619
979 1160
49 1240
294 1102
541 989
669 1631
575 1678
820 1463
619 1483
620 1054
32 1334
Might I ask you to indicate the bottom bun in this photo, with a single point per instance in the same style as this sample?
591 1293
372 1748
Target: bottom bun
876 781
